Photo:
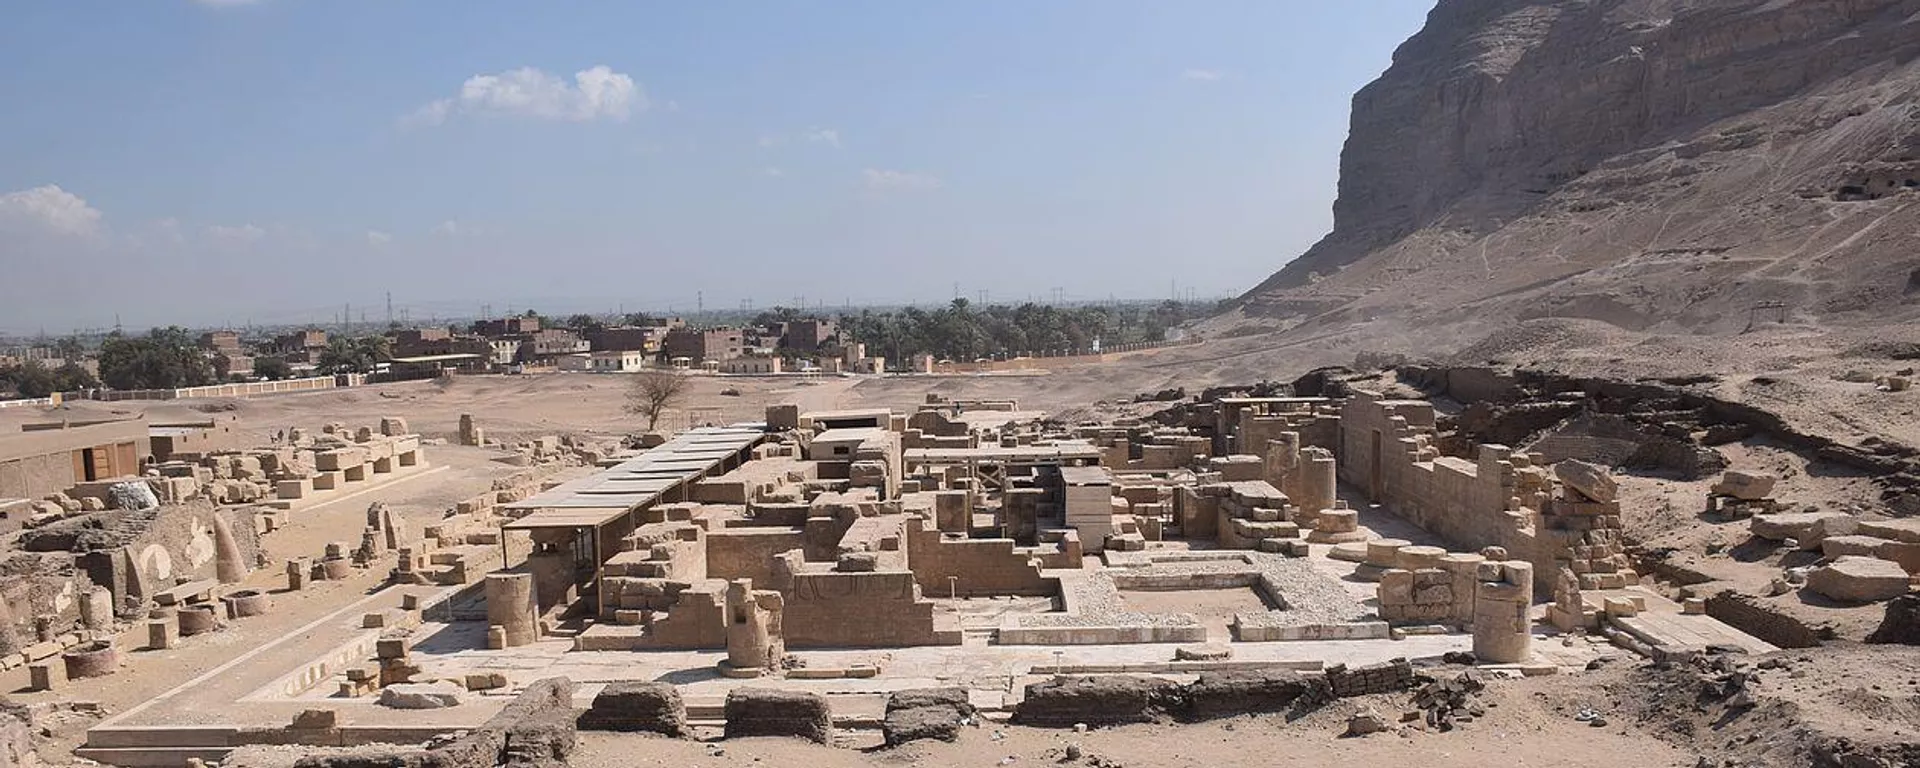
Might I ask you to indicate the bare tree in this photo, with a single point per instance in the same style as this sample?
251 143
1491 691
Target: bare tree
653 392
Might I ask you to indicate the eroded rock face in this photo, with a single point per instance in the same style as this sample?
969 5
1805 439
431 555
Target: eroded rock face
1543 147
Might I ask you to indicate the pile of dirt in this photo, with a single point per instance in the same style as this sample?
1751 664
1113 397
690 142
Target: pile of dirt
1841 706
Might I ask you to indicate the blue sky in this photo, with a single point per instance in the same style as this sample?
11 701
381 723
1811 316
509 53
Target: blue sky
226 161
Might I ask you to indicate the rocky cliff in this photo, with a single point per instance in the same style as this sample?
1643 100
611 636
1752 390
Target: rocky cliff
1655 165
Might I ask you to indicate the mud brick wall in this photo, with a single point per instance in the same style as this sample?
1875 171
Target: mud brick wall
536 730
1751 614
1389 677
1229 694
771 712
635 706
1061 702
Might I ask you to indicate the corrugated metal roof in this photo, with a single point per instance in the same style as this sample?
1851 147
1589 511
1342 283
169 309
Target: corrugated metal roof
604 496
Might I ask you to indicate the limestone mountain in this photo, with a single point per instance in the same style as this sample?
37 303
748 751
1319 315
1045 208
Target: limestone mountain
1687 166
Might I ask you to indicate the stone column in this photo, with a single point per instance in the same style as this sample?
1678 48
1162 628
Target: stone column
510 607
1502 634
747 636
9 639
1315 483
1463 571
229 566
1283 461
776 607
96 609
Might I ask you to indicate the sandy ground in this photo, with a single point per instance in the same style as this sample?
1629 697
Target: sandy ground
1522 728
1775 368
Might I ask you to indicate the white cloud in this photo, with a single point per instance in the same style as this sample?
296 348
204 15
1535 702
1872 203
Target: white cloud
823 136
1204 75
770 141
446 228
594 94
884 179
49 209
377 238
240 235
773 171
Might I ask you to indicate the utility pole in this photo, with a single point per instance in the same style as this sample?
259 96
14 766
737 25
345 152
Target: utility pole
389 309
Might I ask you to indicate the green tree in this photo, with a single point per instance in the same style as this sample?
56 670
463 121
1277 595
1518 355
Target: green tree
354 355
165 358
272 368
585 323
29 379
69 348
73 377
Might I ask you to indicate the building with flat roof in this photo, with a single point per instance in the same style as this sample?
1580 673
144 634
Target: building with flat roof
708 344
49 458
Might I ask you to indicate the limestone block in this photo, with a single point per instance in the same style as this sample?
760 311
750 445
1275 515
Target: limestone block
1747 486
292 489
1589 480
1807 528
1851 544
1904 529
1417 557
1337 521
163 633
47 676
1396 586
421 696
1907 554
1385 553
1857 579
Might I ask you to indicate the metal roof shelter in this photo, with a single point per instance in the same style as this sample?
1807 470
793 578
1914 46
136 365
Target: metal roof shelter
611 493
1060 453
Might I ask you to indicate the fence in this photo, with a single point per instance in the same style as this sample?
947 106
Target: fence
248 389
1057 358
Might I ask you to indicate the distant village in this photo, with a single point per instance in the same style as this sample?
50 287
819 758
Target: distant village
957 338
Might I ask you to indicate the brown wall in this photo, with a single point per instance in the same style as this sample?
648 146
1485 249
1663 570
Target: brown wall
748 553
857 610
983 566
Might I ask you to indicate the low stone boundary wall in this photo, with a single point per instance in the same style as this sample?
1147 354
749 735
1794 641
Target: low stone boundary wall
1014 634
637 707
926 713
535 731
1067 701
773 712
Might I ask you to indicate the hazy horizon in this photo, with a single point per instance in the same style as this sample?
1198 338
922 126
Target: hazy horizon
269 161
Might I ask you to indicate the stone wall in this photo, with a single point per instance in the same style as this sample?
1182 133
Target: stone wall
135 554
536 730
878 609
749 553
979 566
1387 452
